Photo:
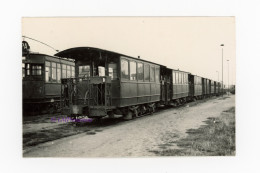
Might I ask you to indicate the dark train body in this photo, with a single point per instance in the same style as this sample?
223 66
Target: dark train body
42 82
110 83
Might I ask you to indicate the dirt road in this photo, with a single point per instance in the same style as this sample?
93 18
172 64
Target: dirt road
135 138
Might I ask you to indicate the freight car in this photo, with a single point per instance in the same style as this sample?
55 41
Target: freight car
42 82
110 83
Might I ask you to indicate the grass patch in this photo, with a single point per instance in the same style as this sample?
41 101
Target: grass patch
216 138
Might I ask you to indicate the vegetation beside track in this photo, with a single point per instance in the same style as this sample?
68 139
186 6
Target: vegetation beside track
216 138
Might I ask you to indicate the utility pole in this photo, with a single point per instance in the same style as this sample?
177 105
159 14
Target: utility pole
222 45
228 76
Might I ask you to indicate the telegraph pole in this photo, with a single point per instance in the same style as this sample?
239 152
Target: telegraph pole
228 76
222 45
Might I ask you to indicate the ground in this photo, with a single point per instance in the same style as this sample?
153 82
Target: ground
159 134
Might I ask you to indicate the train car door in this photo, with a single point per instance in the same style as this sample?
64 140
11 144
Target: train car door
166 84
191 85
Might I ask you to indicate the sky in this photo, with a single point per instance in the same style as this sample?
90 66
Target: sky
189 44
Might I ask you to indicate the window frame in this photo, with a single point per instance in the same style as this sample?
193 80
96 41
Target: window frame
58 68
152 66
128 70
23 69
72 71
131 61
36 70
138 74
80 67
27 69
114 74
68 70
50 72
145 64
157 78
173 77
176 77
52 80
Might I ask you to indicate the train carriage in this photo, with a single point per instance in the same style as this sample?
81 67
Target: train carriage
180 85
42 81
218 88
204 87
208 88
215 87
212 87
109 83
196 86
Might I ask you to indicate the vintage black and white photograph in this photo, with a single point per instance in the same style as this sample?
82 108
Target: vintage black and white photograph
113 87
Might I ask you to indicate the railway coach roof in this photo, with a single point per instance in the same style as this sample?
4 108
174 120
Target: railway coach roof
56 57
77 52
181 71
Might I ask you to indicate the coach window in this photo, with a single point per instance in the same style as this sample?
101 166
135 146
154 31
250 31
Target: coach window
68 71
28 69
140 67
146 72
53 72
72 71
157 74
64 71
101 71
176 78
47 71
58 73
84 71
179 78
173 77
132 70
23 66
36 70
124 69
152 73
112 70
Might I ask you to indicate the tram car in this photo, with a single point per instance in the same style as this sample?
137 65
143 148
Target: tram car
108 83
42 82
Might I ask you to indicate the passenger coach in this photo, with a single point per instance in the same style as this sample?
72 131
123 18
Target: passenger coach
42 81
109 83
